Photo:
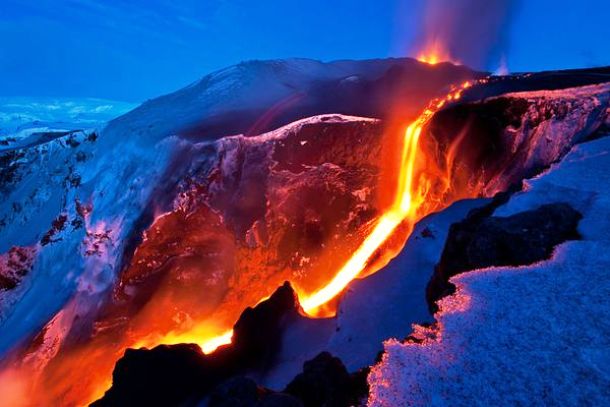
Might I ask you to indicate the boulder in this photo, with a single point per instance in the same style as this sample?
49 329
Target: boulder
482 241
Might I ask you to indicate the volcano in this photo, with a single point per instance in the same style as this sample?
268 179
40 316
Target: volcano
293 232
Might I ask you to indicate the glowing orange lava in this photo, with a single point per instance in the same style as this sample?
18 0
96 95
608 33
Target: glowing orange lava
435 53
419 189
409 196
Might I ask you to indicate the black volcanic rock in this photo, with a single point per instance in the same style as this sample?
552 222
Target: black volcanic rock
179 375
482 241
236 392
279 400
256 335
326 382
172 375
485 145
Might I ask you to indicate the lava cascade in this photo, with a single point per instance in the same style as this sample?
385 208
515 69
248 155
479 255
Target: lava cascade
412 190
415 194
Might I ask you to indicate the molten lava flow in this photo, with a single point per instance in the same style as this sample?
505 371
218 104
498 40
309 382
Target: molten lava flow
409 196
401 209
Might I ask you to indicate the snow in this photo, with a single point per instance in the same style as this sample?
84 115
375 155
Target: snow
379 306
275 92
534 335
47 113
295 127
257 86
117 178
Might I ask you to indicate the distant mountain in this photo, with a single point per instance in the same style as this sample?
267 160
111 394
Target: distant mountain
24 113
258 96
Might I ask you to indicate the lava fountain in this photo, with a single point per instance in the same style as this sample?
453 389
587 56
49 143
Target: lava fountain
435 53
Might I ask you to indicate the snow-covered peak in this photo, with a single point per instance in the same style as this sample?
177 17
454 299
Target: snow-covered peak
256 96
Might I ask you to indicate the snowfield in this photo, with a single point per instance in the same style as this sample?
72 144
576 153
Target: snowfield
20 113
532 335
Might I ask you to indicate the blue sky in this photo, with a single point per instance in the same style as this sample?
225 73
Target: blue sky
134 50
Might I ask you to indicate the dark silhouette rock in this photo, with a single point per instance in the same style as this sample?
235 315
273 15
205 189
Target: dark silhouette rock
279 400
236 392
326 382
256 335
482 241
172 375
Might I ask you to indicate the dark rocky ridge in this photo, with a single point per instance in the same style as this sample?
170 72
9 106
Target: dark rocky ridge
181 375
499 141
548 80
172 375
482 240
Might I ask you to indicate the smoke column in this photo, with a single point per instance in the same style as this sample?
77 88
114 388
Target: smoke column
473 32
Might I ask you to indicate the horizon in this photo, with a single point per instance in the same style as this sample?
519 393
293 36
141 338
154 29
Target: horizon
131 53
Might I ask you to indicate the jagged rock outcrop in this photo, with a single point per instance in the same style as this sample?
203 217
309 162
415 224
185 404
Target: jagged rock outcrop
482 241
172 375
483 147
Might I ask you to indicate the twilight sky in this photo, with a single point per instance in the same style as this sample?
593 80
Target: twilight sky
137 49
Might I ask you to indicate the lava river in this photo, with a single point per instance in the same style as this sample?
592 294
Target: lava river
411 192
419 188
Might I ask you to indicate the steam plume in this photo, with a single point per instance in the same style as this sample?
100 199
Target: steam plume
473 32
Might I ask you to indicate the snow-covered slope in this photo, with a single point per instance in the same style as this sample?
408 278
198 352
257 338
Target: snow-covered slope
74 202
257 96
532 335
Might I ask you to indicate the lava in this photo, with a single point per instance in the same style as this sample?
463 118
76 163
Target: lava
435 53
410 194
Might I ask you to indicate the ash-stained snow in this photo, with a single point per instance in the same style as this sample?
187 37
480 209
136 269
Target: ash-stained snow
532 335
45 181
